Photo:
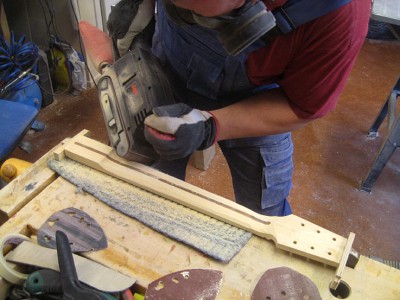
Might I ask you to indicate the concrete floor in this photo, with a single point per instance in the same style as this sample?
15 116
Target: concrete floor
332 155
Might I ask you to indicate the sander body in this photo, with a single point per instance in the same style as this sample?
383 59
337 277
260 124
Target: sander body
128 91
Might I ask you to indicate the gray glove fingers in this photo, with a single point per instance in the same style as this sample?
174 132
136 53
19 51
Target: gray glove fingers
143 17
171 152
174 110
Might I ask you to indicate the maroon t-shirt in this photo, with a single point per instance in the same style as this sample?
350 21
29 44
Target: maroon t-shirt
312 63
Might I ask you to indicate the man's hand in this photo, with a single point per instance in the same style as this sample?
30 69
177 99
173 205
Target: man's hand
178 130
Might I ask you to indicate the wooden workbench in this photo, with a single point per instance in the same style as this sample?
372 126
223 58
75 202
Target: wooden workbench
147 255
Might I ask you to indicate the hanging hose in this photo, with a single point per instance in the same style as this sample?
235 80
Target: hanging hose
17 60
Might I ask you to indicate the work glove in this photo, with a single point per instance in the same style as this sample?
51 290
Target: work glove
129 19
177 130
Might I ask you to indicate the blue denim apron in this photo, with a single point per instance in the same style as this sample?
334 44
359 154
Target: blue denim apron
261 167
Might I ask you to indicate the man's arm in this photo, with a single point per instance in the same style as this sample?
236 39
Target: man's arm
177 130
262 114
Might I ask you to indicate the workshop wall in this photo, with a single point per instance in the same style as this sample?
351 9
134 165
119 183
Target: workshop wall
27 17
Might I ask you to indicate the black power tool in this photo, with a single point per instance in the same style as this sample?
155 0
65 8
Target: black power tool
128 91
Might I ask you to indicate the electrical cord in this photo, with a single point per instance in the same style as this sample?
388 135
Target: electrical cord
50 20
22 78
17 60
51 23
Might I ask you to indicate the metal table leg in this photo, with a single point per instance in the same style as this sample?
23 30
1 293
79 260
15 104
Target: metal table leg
373 131
386 151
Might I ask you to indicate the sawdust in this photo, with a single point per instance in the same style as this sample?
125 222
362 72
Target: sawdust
208 235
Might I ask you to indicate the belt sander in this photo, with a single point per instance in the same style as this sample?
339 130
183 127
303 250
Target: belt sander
128 91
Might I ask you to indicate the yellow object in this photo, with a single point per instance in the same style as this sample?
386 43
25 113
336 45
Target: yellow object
12 167
137 296
61 70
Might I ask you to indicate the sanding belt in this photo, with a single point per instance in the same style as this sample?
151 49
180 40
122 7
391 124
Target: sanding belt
208 235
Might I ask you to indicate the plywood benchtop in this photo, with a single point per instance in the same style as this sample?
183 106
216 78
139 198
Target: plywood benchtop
147 255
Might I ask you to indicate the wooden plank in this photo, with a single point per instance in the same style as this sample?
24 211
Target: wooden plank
31 182
143 253
25 187
290 233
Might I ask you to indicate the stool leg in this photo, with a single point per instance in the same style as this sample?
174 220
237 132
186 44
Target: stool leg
372 132
392 108
386 151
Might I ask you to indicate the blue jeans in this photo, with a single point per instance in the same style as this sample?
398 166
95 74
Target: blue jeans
261 171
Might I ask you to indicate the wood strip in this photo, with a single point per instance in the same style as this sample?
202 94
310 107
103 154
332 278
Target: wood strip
290 233
339 272
89 272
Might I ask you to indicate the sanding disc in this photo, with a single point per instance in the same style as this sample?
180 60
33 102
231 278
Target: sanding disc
284 283
194 284
83 232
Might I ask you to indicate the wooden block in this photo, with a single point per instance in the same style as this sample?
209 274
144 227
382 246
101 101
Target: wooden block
203 158
59 151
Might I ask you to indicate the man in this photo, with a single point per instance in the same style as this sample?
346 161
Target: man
248 101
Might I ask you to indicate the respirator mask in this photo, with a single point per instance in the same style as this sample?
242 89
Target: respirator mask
236 30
